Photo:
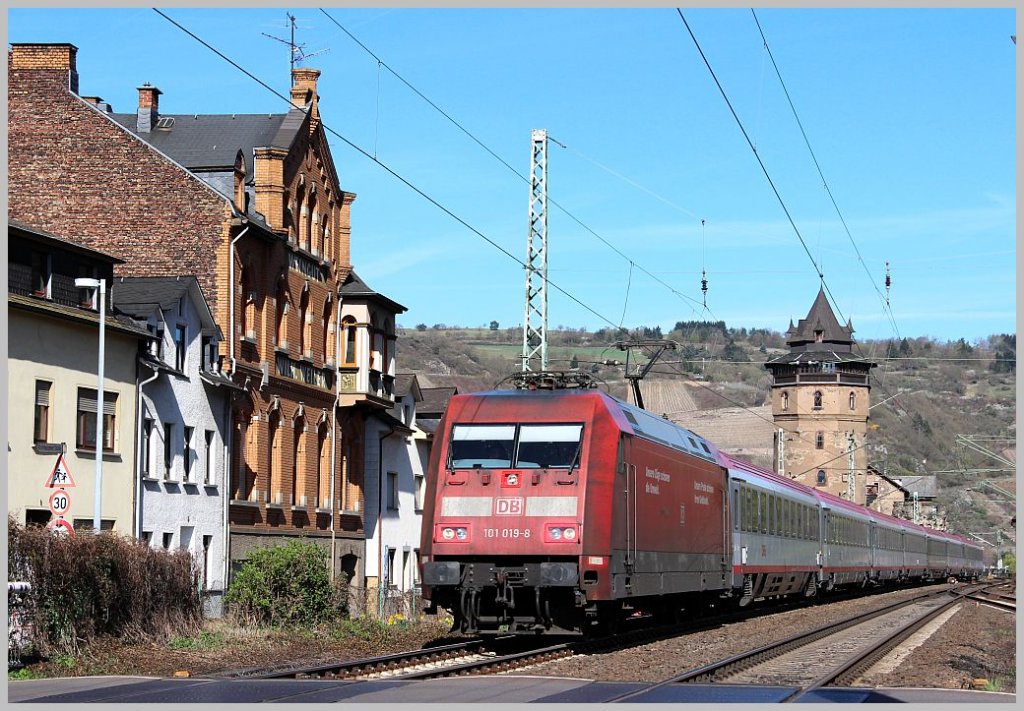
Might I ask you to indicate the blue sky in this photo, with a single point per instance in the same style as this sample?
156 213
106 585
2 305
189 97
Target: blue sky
910 114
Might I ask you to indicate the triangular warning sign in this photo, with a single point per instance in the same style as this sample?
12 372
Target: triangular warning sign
60 477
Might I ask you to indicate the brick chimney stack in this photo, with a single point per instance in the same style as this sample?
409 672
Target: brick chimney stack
45 57
149 101
304 93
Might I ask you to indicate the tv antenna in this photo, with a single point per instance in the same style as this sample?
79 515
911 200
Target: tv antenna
297 52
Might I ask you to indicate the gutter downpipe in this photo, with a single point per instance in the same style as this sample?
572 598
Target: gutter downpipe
229 429
380 521
334 432
138 454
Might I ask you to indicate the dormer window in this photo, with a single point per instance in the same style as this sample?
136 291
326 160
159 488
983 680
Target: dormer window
41 275
819 336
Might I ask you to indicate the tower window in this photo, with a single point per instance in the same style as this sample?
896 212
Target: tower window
822 478
817 399
785 400
819 440
853 401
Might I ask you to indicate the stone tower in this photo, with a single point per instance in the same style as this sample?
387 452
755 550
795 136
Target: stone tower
820 398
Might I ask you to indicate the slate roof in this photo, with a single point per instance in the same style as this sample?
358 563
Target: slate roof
138 296
926 487
212 141
406 383
354 286
114 321
835 337
817 356
435 402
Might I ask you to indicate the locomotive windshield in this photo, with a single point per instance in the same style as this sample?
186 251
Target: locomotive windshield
523 446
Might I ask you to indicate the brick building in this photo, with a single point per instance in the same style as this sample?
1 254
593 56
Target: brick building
251 205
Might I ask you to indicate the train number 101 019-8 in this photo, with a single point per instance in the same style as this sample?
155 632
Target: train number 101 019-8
506 533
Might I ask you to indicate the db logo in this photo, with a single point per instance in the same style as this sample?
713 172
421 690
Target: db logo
508 506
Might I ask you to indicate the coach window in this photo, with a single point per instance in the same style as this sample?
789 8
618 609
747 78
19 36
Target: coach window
488 446
764 511
549 446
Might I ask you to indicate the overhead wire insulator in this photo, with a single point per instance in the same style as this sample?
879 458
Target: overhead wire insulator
888 283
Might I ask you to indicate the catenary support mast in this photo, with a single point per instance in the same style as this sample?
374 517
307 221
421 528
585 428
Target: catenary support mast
535 321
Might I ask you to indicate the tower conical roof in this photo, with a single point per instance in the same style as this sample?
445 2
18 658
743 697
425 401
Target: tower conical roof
820 330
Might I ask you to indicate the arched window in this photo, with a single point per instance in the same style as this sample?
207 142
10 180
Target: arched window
853 400
298 461
785 400
299 213
274 491
311 218
328 332
817 399
247 324
323 468
305 326
819 440
283 309
822 478
348 335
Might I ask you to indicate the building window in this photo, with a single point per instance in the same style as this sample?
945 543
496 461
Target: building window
817 399
822 478
41 274
168 539
853 401
41 430
186 453
37 517
305 327
179 348
393 491
209 456
785 400
323 471
168 450
147 538
88 407
819 440
85 524
348 334
283 308
147 447
206 357
419 492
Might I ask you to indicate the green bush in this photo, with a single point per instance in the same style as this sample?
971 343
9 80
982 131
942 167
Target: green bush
283 585
90 585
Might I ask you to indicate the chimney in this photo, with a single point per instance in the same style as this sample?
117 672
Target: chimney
99 103
28 56
304 93
149 100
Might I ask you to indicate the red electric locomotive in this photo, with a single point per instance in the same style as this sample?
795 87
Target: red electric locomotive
565 509
548 509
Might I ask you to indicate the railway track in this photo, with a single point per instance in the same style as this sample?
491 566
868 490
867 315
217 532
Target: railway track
833 655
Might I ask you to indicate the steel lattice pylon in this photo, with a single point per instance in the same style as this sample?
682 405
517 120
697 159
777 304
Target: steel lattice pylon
535 336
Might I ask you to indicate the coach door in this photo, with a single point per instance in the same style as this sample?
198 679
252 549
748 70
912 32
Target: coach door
627 490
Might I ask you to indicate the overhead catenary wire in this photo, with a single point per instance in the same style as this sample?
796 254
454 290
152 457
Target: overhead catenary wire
505 163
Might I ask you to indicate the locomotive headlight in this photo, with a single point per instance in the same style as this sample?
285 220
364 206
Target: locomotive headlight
448 533
451 533
560 533
460 533
570 533
556 533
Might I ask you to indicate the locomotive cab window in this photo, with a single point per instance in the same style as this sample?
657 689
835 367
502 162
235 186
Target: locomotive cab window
548 446
524 447
482 446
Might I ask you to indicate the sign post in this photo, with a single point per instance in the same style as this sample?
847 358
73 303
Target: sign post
60 479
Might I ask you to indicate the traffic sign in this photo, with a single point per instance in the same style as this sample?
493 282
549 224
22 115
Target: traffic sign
60 502
61 527
60 476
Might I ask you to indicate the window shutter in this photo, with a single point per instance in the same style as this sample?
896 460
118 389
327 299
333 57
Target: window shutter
42 393
87 401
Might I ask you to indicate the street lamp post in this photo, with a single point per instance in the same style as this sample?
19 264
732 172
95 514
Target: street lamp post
101 284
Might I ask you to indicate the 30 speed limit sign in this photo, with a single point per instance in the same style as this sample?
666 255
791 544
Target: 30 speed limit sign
60 502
